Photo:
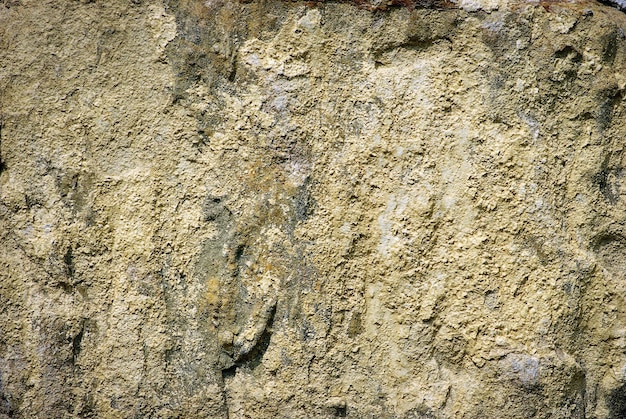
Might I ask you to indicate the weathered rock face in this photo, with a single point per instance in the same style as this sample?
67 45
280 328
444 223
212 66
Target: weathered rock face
272 209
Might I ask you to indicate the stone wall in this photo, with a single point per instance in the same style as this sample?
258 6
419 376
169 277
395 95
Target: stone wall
285 209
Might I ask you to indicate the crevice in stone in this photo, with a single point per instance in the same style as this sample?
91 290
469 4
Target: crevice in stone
76 344
607 181
254 356
569 52
68 260
341 412
250 360
232 74
2 164
229 372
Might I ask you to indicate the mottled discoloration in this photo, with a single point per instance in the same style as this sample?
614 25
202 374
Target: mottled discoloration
268 209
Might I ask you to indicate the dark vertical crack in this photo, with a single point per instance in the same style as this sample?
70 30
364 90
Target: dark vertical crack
76 344
2 164
68 259
254 356
250 359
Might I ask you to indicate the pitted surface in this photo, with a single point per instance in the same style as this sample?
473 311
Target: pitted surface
272 209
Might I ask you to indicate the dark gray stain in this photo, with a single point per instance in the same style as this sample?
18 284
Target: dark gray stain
611 43
571 60
214 209
616 402
420 413
607 100
607 181
618 4
570 53
5 404
341 411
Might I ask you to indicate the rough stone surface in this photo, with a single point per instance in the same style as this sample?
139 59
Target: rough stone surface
274 209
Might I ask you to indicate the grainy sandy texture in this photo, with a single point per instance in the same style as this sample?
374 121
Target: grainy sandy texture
273 209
